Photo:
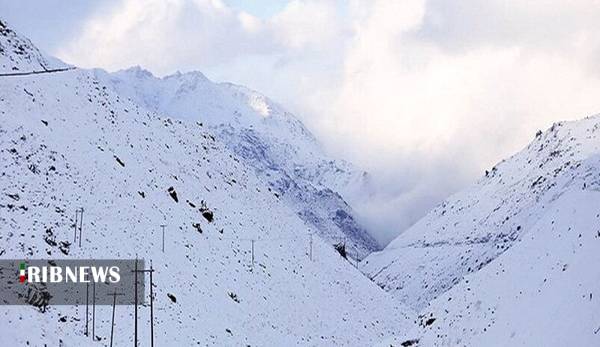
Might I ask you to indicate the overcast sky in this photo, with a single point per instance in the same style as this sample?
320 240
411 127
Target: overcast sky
425 95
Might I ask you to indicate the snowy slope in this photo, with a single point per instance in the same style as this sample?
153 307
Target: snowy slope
18 54
68 141
282 151
544 291
513 259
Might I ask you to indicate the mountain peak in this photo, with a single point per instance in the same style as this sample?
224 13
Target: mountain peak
193 75
136 71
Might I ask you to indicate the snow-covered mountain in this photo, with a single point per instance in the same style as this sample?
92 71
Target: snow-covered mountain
18 54
512 260
283 152
68 140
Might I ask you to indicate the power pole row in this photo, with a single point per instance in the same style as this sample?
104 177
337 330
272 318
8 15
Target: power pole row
253 241
114 295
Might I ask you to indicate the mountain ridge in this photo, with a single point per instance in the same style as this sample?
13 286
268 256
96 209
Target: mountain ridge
283 152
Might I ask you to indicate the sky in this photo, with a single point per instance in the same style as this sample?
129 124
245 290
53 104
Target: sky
424 94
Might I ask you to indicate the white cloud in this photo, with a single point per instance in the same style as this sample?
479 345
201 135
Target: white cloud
306 23
165 35
425 94
423 109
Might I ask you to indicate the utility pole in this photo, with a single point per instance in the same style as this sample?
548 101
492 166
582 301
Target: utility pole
163 237
135 302
87 299
75 228
80 226
253 252
94 311
311 244
151 270
112 325
151 307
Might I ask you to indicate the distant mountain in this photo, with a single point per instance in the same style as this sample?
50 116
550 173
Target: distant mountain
512 260
68 140
268 138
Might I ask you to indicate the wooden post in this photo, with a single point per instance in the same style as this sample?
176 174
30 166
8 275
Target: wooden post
311 244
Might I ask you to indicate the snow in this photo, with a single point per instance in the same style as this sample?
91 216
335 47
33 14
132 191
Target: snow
68 140
274 142
512 259
18 54
543 291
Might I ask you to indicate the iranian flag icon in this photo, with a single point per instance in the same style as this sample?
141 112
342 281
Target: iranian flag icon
22 276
